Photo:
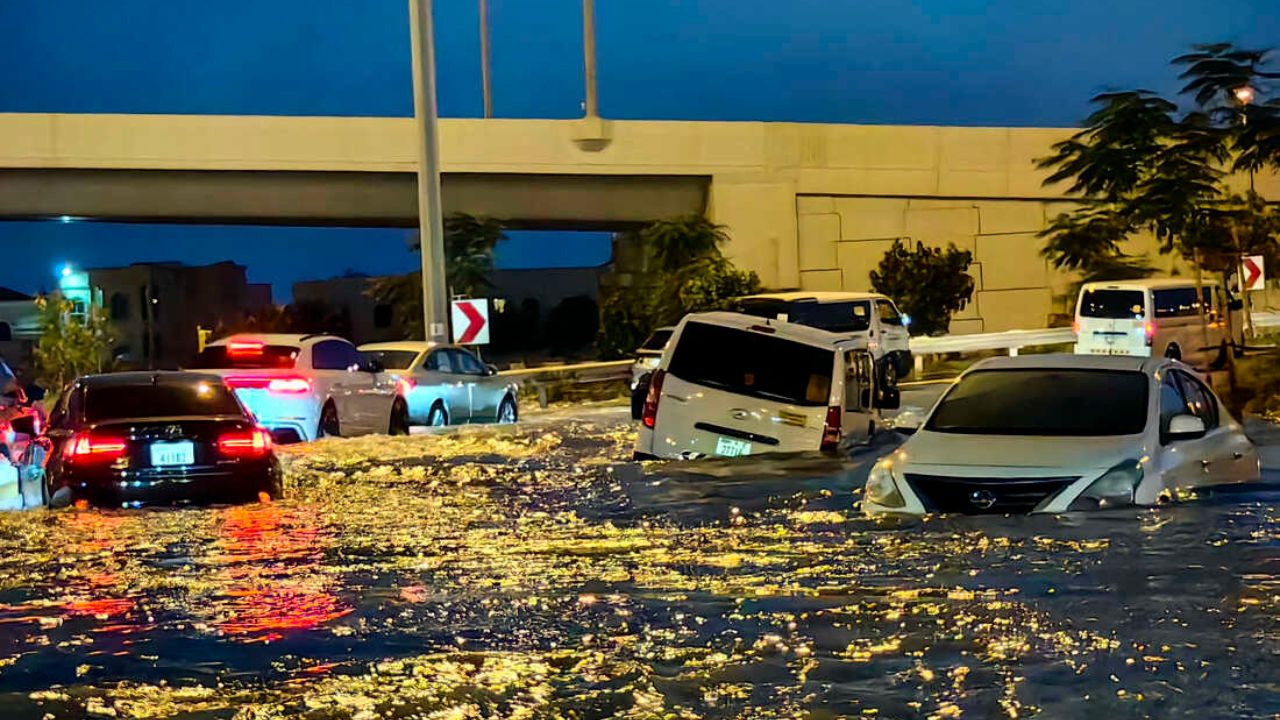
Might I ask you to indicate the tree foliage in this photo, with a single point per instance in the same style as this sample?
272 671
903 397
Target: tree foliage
70 345
929 284
469 243
1141 164
301 317
688 272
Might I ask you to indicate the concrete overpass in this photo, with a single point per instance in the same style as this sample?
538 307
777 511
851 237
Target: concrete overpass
811 206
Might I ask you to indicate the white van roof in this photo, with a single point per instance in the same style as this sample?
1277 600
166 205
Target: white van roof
794 332
819 297
1147 284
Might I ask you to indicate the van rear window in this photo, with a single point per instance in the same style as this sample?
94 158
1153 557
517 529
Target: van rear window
752 363
1112 304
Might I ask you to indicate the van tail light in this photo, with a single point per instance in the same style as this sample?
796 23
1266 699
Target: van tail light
255 442
650 414
831 429
91 447
279 385
1149 330
1075 328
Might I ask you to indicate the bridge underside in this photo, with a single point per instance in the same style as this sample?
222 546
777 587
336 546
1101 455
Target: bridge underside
355 199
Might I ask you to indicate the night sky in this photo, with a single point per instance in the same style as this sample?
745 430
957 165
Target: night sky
957 62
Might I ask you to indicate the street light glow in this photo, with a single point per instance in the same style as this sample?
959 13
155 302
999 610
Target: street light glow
66 271
1244 94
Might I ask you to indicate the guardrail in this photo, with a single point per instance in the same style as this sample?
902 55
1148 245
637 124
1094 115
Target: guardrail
542 379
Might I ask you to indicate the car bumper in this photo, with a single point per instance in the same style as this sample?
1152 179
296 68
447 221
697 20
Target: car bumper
242 484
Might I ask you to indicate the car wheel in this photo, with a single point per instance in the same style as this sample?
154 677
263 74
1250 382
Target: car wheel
330 426
437 417
399 418
1173 351
507 412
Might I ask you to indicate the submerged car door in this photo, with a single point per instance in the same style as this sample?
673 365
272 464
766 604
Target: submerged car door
858 419
1228 454
338 362
1186 462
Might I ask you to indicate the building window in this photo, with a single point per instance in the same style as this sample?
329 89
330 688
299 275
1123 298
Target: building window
119 307
382 316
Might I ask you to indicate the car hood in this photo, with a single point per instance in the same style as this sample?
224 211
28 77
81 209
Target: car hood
997 451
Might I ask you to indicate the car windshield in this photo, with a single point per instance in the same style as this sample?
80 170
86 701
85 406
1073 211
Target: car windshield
1051 402
746 362
393 359
258 357
657 341
1112 304
851 316
162 399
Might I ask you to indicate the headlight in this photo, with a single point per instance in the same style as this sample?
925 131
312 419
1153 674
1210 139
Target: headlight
881 489
1114 488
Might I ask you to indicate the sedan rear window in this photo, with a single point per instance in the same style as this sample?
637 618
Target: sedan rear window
1113 304
753 363
1073 403
265 357
164 399
393 359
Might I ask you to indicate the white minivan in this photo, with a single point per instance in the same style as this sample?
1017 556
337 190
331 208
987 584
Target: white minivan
1154 316
871 317
730 385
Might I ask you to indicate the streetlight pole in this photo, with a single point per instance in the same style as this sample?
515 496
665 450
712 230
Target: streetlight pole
485 79
435 300
591 105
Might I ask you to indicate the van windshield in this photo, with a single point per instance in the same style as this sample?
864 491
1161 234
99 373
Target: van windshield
1112 304
752 363
850 316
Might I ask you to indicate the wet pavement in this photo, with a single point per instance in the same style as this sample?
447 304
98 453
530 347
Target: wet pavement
536 573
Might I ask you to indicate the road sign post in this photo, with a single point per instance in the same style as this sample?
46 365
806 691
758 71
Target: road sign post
471 322
430 222
1252 278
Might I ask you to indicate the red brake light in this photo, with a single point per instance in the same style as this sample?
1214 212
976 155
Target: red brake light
245 347
404 385
831 429
94 447
1075 327
1149 328
289 385
650 415
245 443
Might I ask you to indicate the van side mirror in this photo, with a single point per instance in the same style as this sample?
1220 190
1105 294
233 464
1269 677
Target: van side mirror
1235 304
890 399
1185 427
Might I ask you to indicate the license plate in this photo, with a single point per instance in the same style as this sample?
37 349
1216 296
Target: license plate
173 453
730 447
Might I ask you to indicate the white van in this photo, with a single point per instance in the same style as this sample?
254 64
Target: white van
1154 316
732 384
868 316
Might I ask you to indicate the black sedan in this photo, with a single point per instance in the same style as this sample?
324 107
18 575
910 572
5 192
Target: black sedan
142 438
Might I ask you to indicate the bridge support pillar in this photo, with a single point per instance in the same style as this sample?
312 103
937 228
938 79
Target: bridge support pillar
759 214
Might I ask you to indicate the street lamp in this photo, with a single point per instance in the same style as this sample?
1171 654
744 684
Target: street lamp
435 301
1244 94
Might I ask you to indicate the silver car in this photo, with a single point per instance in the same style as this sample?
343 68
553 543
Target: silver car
446 385
1059 433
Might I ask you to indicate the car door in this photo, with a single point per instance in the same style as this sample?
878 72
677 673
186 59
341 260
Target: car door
894 335
859 395
1184 463
337 364
1228 454
484 395
446 385
469 371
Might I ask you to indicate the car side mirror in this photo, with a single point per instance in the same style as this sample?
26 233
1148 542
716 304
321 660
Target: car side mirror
490 369
1185 427
906 422
890 399
24 425
1235 304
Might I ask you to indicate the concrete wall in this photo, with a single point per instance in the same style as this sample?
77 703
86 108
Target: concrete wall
810 206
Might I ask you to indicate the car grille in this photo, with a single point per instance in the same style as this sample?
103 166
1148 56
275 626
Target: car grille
984 496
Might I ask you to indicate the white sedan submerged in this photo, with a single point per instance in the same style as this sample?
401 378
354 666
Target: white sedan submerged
1059 433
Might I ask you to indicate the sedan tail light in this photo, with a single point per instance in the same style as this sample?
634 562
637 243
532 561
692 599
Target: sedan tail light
831 429
649 416
254 442
288 385
94 447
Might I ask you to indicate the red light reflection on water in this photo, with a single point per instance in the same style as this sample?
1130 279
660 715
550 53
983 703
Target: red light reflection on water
95 534
271 560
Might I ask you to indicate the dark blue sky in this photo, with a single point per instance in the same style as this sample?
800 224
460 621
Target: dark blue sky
965 62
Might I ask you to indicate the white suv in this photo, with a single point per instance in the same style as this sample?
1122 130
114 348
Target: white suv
868 316
303 387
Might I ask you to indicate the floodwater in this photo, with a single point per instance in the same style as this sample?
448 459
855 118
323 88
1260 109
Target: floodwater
539 575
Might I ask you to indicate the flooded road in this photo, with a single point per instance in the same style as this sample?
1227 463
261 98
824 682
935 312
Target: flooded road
538 574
